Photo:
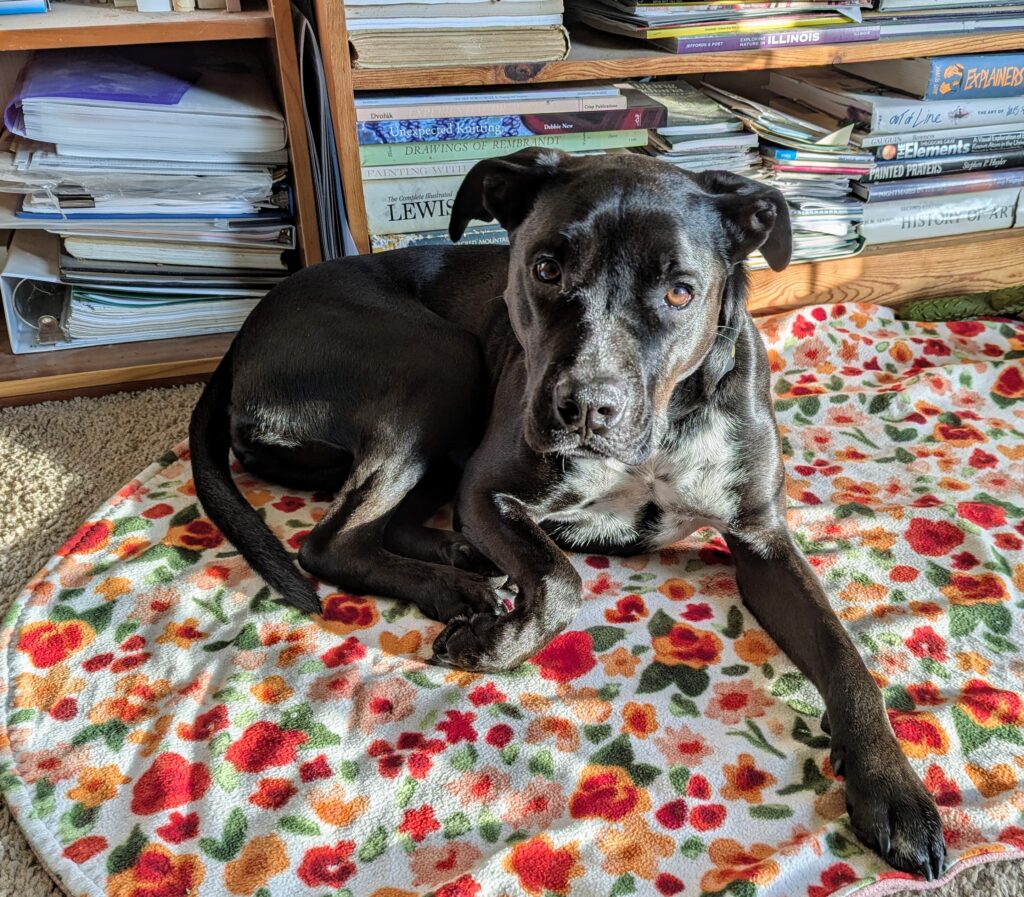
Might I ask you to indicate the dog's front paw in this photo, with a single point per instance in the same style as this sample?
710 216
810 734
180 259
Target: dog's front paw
891 812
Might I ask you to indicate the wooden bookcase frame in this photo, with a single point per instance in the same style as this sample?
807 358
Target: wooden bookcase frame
98 369
885 274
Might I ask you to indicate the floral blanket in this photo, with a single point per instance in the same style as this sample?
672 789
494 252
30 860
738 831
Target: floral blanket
168 729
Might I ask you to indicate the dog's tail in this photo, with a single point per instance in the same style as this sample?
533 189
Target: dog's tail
209 442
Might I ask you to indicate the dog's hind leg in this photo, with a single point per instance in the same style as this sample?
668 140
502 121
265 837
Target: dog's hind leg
407 534
347 546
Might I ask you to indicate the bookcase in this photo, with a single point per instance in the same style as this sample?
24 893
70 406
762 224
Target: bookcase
885 274
68 24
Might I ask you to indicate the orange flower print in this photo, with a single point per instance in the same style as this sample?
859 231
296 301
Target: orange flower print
196 535
992 782
47 643
676 589
968 588
958 435
991 707
919 734
619 662
733 862
564 731
755 647
483 786
432 866
543 868
639 719
344 613
745 780
686 646
48 692
98 785
607 792
157 872
271 690
260 860
135 699
634 849
535 807
183 634
332 806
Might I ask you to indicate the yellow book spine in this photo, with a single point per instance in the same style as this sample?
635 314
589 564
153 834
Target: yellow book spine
753 27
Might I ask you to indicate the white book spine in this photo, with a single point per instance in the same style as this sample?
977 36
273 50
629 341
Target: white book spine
895 116
916 219
409 205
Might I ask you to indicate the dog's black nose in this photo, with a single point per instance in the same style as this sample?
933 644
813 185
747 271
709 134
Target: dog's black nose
592 408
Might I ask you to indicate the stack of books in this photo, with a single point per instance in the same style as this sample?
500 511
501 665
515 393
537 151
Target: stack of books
416 148
812 166
163 178
922 18
397 33
947 160
700 134
709 26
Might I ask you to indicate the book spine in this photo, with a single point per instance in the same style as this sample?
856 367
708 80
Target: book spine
917 115
988 75
474 236
918 218
431 170
17 7
899 170
789 155
936 146
453 151
501 108
409 205
948 185
424 130
839 34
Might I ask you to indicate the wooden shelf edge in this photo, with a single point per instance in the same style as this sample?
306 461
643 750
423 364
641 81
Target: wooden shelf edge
598 55
892 273
40 376
78 25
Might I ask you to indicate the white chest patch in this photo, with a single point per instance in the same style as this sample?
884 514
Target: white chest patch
680 488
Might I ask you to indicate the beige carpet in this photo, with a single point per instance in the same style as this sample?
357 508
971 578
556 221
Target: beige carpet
59 460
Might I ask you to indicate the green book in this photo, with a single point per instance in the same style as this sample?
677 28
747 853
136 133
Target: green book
454 150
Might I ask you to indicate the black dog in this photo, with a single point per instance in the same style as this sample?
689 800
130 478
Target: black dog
603 388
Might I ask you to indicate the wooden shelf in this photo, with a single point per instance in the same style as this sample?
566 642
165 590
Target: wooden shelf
66 372
69 24
596 54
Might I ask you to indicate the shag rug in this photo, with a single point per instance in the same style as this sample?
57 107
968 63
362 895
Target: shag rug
171 730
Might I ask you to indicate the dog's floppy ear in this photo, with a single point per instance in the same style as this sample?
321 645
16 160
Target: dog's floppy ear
503 189
755 216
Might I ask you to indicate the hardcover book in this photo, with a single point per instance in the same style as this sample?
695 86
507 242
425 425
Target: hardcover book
899 169
640 113
456 150
915 219
798 37
879 110
943 185
947 77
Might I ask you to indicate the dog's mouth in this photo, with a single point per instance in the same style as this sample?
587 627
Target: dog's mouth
572 445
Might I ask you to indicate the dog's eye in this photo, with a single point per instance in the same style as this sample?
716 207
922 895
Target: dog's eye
547 271
679 295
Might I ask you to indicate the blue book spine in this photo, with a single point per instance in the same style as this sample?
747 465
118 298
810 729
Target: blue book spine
16 7
976 76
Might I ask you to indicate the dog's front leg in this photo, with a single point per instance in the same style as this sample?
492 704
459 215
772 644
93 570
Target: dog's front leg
549 588
889 808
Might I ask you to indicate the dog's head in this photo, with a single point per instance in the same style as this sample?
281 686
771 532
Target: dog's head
620 274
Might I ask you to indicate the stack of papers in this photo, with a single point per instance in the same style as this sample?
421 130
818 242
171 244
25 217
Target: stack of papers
812 166
164 171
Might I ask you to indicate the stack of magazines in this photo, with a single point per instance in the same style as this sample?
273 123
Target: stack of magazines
925 18
707 26
416 148
396 33
947 137
812 166
162 176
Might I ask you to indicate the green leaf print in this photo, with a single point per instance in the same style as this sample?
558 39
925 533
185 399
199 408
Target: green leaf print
604 637
374 846
235 829
124 855
659 624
